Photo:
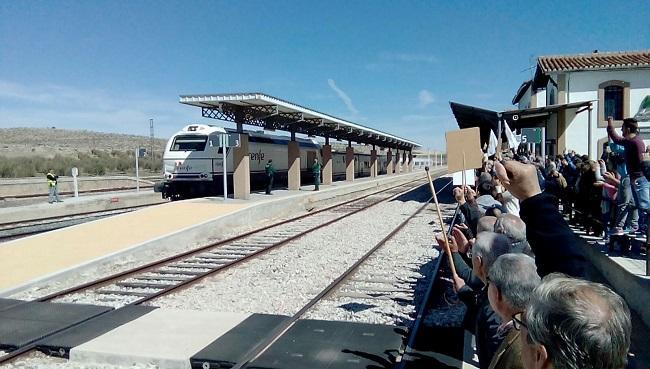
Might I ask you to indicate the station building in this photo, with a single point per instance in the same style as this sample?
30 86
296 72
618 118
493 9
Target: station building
570 98
616 83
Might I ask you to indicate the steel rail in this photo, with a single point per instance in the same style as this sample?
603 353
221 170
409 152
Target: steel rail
59 218
100 190
279 331
189 282
412 334
143 268
32 345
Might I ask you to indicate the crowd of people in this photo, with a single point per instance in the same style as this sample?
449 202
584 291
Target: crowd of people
520 269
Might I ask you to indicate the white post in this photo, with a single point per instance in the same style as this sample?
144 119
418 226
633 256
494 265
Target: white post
225 172
75 173
137 171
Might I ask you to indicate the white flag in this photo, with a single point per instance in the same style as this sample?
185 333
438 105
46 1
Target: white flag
492 146
513 143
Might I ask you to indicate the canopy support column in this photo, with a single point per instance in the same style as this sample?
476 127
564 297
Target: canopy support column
373 163
294 166
327 164
398 163
349 163
242 170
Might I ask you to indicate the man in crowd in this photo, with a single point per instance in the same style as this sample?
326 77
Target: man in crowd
512 279
572 323
515 229
480 319
556 247
634 148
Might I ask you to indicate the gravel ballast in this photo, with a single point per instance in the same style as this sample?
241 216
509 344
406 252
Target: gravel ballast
388 287
285 279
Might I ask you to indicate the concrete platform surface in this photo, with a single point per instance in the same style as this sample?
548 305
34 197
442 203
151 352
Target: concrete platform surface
37 259
625 273
19 212
39 256
60 344
164 337
26 323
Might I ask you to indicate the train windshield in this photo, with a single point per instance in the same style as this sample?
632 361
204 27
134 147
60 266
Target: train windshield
189 143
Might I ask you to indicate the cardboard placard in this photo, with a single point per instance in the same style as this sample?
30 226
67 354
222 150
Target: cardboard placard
467 143
469 178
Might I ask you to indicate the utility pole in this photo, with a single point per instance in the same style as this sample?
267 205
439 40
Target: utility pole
153 157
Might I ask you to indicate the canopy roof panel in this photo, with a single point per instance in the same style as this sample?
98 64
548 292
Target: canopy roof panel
259 109
488 120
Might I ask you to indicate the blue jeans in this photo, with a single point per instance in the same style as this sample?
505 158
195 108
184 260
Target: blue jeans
626 216
641 194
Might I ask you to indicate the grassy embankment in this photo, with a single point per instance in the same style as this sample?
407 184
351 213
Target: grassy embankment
97 162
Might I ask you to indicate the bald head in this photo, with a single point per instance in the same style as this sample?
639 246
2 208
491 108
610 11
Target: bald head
486 224
515 229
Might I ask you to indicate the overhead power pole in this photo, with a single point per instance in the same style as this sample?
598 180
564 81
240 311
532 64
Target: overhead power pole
153 157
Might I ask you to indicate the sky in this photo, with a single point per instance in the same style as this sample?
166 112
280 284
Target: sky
392 65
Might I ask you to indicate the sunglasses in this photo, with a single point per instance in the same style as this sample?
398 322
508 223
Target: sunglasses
518 321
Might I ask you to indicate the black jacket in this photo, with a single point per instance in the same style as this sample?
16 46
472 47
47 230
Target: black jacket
556 247
480 318
471 214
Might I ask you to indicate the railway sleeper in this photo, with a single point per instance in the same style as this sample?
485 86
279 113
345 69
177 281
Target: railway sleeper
123 293
237 249
178 271
197 265
144 285
162 278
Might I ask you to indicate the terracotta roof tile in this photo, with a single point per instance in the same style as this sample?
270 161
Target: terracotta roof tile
613 60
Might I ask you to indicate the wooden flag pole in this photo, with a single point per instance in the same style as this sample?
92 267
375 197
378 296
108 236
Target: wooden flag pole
442 226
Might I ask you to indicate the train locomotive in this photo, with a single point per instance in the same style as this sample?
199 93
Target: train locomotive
193 161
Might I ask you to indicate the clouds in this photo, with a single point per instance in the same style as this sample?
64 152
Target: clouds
46 105
425 98
344 97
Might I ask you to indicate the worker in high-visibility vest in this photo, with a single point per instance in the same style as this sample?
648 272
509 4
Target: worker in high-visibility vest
52 184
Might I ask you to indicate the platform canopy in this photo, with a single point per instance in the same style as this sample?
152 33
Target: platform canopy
470 116
271 113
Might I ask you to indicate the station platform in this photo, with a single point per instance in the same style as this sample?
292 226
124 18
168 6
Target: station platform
181 339
35 260
30 211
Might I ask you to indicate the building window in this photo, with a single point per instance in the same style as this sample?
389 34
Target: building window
614 102
551 97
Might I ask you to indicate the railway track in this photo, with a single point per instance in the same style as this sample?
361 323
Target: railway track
153 280
143 186
342 281
19 229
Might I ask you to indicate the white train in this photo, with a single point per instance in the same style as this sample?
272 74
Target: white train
193 161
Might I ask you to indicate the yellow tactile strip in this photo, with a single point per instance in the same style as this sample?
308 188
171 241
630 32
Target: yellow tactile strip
24 260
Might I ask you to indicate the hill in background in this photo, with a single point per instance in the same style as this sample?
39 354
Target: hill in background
47 142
